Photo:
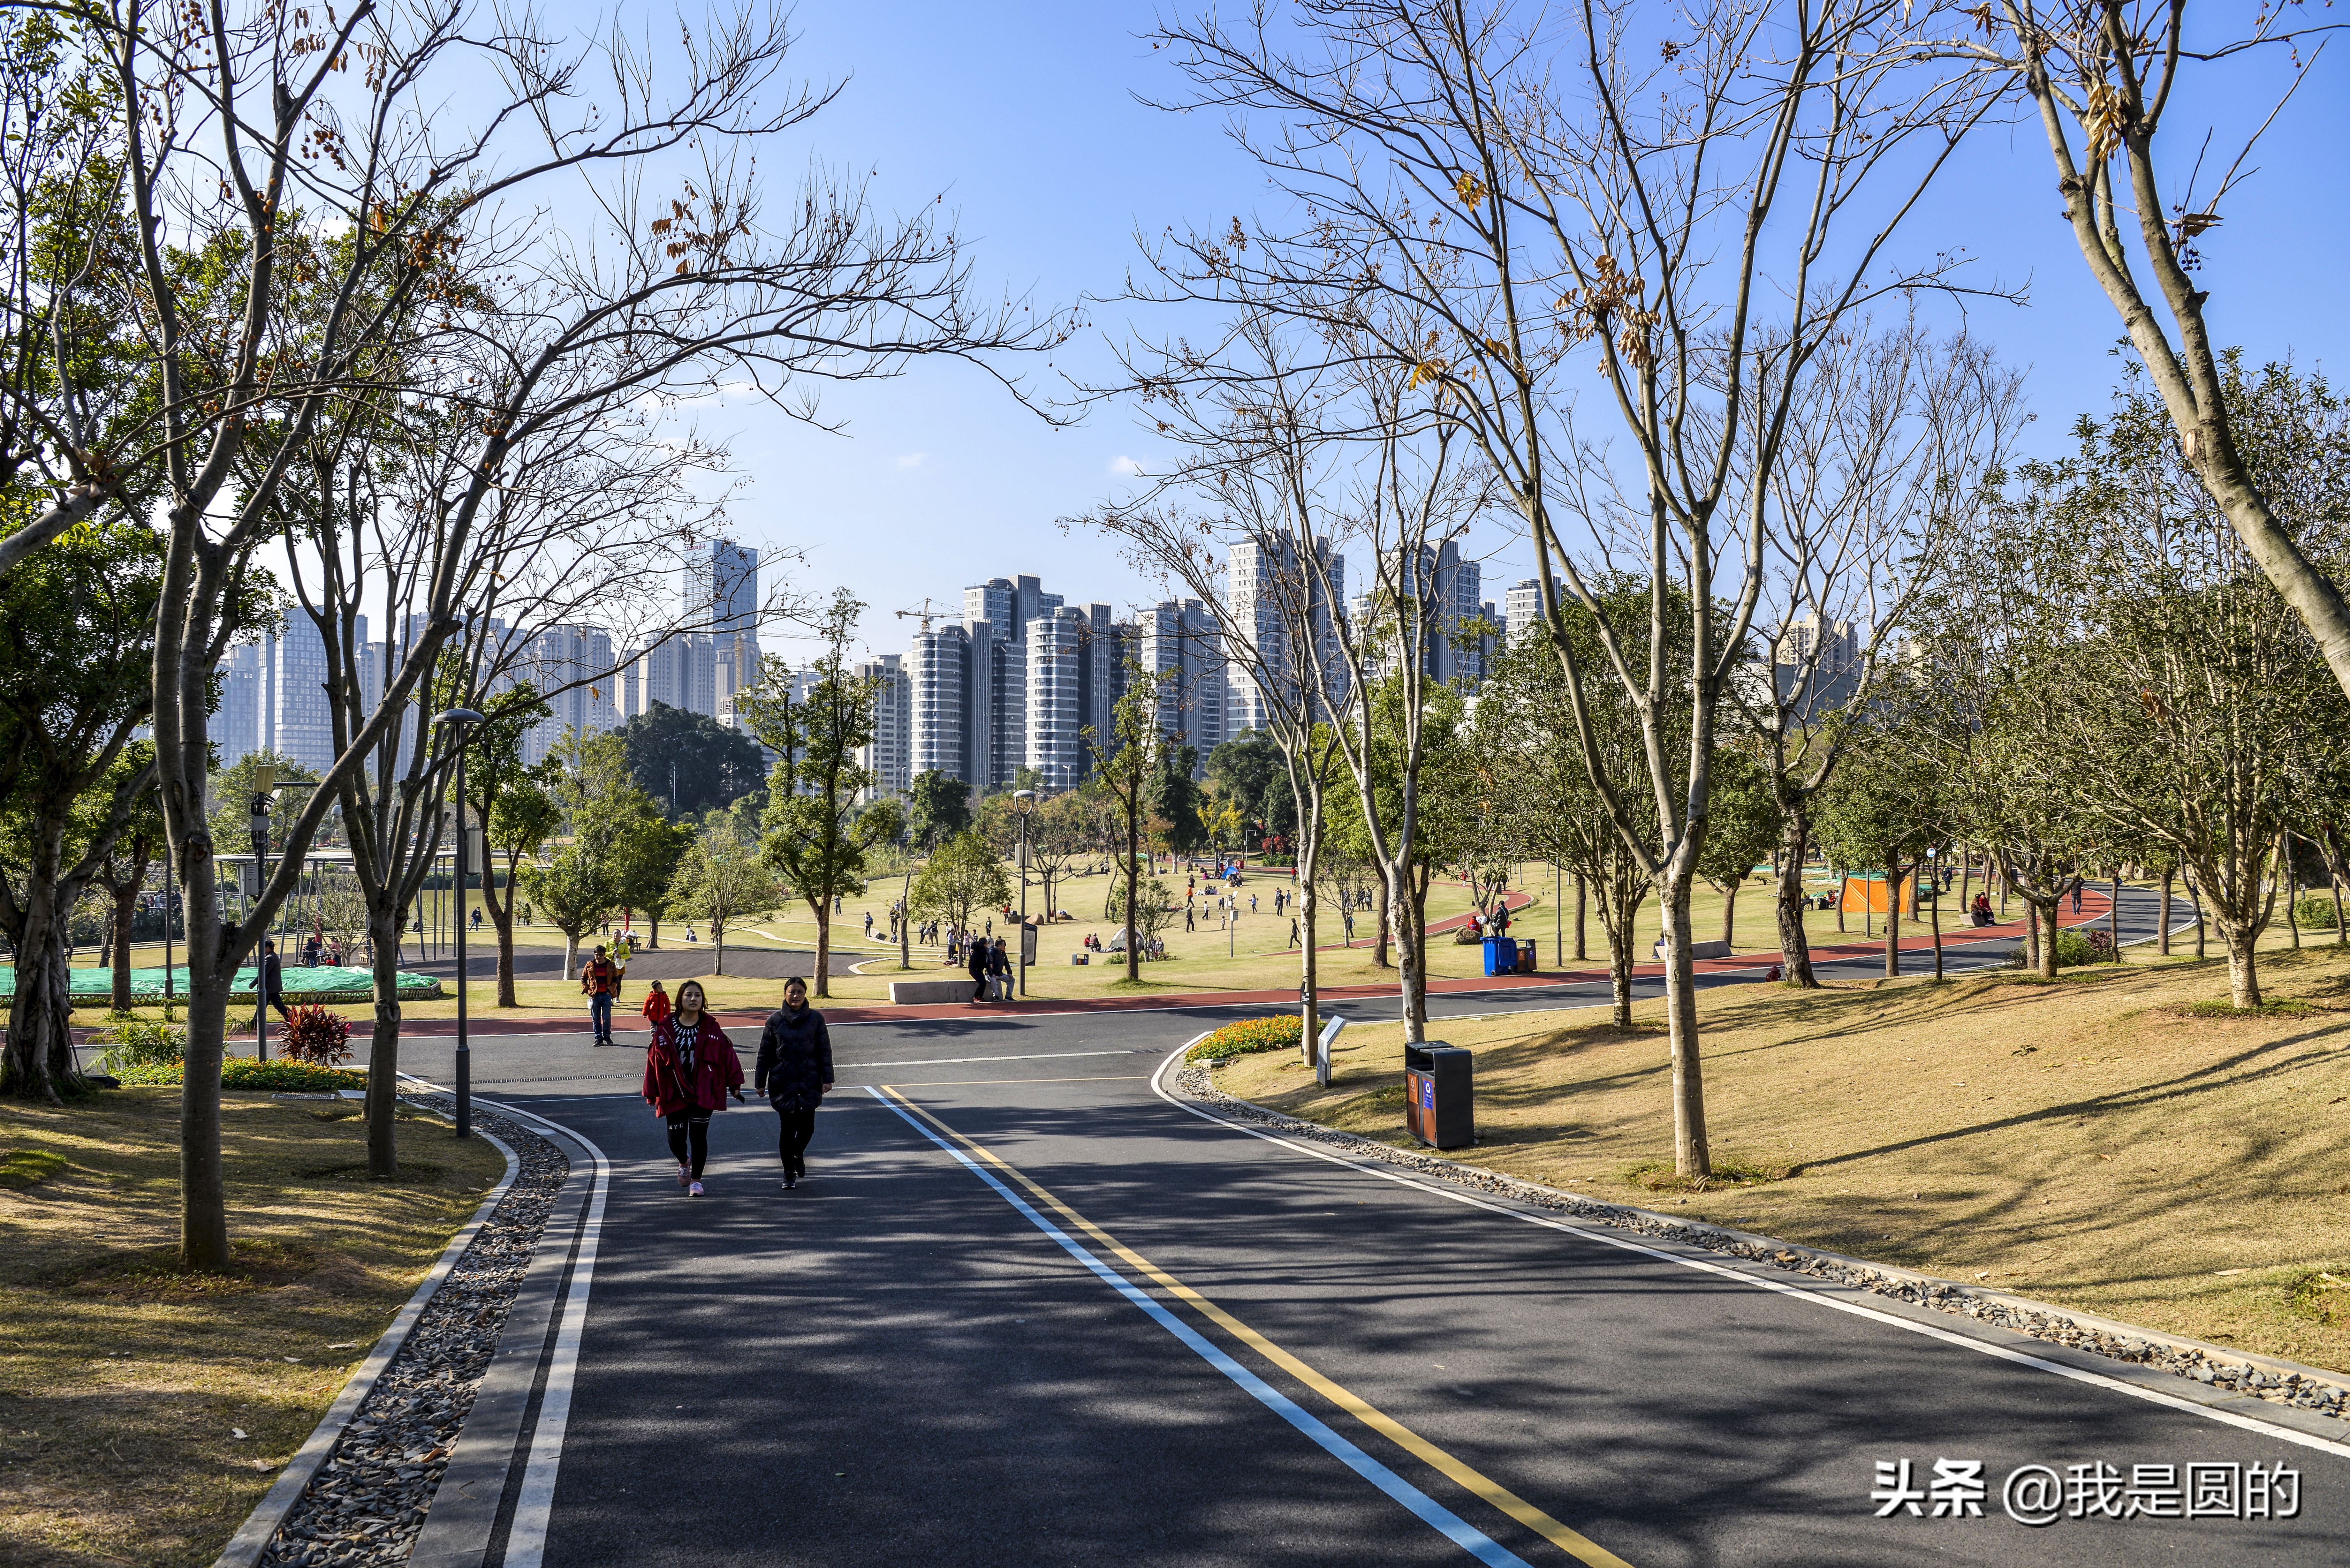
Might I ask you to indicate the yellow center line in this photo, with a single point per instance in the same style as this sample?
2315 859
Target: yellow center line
1468 1476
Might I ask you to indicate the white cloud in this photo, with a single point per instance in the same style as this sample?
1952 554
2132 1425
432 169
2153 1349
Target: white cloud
911 459
1125 465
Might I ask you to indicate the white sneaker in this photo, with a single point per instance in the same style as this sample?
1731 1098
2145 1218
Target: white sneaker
684 1174
694 1191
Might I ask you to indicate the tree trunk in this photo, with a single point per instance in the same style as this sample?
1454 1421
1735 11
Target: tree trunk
2162 937
824 947
39 1063
571 954
717 946
1966 885
2114 915
1893 922
1691 1158
1379 916
1795 944
2048 945
1419 885
2243 964
502 914
1730 916
1582 904
2196 894
203 1195
1619 974
2032 937
383 1044
1133 850
1936 915
1409 955
126 911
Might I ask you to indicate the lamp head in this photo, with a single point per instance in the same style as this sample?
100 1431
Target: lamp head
1024 801
264 778
458 716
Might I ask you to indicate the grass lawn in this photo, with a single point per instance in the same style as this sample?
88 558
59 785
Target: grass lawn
2094 1143
1256 955
122 1380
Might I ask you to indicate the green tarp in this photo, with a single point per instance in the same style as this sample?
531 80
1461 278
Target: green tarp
320 984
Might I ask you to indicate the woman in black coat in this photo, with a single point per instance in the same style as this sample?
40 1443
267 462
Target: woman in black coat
794 1070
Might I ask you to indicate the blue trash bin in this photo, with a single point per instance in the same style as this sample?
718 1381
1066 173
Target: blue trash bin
1500 955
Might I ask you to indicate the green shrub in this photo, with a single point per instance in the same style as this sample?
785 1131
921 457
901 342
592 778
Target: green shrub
243 1073
2314 911
2076 946
1248 1035
137 1043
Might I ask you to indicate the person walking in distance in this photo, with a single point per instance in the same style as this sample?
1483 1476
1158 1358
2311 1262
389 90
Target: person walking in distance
656 1008
600 976
794 1069
690 1069
272 980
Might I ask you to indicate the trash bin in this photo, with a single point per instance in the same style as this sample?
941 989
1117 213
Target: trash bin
1500 955
1526 961
1439 1101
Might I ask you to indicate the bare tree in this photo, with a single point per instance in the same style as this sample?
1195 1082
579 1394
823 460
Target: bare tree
1881 469
1702 201
373 192
2104 76
1233 525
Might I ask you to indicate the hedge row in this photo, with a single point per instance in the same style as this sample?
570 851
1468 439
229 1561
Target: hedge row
1250 1034
245 1073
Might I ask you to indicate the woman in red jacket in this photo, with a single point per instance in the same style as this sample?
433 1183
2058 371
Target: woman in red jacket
690 1069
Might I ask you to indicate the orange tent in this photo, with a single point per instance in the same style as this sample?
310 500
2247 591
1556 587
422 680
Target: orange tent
1866 895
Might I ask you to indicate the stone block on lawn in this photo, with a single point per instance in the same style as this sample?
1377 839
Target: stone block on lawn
905 993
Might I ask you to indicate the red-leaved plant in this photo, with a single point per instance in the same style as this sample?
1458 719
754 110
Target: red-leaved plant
317 1036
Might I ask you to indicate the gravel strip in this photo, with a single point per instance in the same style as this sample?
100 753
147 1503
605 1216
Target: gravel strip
2279 1383
369 1499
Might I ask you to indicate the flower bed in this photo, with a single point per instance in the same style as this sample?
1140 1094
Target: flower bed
1248 1035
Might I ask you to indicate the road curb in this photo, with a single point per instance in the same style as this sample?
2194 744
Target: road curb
2218 1377
261 1526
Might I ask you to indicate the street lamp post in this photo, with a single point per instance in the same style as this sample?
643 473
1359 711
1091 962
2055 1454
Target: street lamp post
457 719
1024 801
265 787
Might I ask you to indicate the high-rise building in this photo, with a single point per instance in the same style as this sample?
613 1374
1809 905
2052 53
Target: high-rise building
1522 607
296 715
889 757
1836 676
1450 589
236 727
1266 591
1180 642
954 680
1057 644
572 668
1111 646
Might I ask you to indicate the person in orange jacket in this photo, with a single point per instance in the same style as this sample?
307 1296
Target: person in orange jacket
656 1008
690 1069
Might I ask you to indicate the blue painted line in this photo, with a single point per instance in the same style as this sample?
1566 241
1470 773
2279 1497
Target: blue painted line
1474 1541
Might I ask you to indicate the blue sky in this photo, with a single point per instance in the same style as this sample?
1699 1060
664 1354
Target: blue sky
1025 117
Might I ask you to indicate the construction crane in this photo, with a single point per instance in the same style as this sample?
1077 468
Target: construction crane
924 613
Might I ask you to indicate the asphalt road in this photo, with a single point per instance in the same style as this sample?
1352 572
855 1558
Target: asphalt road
1227 1350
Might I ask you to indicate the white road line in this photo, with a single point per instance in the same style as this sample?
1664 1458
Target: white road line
1458 1531
1609 1238
527 1541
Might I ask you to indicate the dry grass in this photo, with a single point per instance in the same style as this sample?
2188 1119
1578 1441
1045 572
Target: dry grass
2093 1142
122 1379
